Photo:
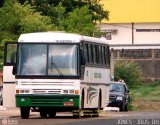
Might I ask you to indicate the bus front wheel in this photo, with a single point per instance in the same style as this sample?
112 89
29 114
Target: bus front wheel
43 114
51 114
25 111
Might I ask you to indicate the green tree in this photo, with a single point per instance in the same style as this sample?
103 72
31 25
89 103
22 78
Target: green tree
77 21
16 19
130 72
59 17
80 21
96 8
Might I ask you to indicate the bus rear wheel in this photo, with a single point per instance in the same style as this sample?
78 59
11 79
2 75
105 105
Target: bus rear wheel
77 114
47 114
97 111
25 111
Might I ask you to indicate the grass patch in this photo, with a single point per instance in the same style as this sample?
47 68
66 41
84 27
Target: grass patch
145 105
150 91
146 97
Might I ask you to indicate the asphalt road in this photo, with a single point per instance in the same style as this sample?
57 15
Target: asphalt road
12 117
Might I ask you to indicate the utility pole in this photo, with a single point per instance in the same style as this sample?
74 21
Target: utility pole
132 33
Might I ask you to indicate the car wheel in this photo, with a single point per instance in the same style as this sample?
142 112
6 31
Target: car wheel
121 107
126 108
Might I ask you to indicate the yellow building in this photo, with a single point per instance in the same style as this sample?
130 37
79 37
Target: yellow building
132 21
136 11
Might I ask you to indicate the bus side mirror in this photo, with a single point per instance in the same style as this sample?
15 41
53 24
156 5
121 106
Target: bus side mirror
14 70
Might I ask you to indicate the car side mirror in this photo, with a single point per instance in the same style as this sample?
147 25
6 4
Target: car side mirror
128 91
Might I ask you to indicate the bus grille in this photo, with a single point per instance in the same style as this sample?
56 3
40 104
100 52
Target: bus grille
46 101
46 91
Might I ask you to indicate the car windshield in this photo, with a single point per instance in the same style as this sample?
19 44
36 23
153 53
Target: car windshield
50 60
117 87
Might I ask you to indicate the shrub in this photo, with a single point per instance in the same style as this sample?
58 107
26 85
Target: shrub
130 72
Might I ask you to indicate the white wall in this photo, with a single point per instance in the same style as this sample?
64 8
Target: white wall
124 33
8 87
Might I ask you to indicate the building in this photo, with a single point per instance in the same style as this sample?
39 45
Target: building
134 27
132 21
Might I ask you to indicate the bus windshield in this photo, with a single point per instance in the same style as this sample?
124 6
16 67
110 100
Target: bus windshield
58 60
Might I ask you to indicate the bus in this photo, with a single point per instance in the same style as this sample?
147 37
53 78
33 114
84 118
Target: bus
59 72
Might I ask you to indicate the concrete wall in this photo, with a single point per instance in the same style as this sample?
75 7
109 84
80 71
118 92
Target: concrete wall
148 61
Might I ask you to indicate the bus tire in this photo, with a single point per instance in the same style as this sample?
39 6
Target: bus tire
97 112
43 114
25 111
78 113
51 114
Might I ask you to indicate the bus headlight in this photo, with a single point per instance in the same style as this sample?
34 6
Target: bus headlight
17 91
65 91
76 92
71 91
21 91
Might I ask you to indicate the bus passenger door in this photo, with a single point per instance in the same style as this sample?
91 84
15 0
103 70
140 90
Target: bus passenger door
8 77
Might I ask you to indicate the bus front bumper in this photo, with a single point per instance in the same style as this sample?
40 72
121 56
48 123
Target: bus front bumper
48 100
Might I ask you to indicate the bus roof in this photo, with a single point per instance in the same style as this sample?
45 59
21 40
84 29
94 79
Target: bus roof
58 37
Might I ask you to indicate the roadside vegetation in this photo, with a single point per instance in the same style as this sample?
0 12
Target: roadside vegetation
130 72
144 96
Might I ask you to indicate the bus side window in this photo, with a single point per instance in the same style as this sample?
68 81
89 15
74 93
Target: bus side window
82 54
90 53
100 55
86 52
94 53
103 56
97 54
107 58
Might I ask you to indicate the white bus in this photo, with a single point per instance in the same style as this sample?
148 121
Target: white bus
57 72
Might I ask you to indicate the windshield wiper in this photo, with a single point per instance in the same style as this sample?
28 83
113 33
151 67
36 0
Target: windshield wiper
54 65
